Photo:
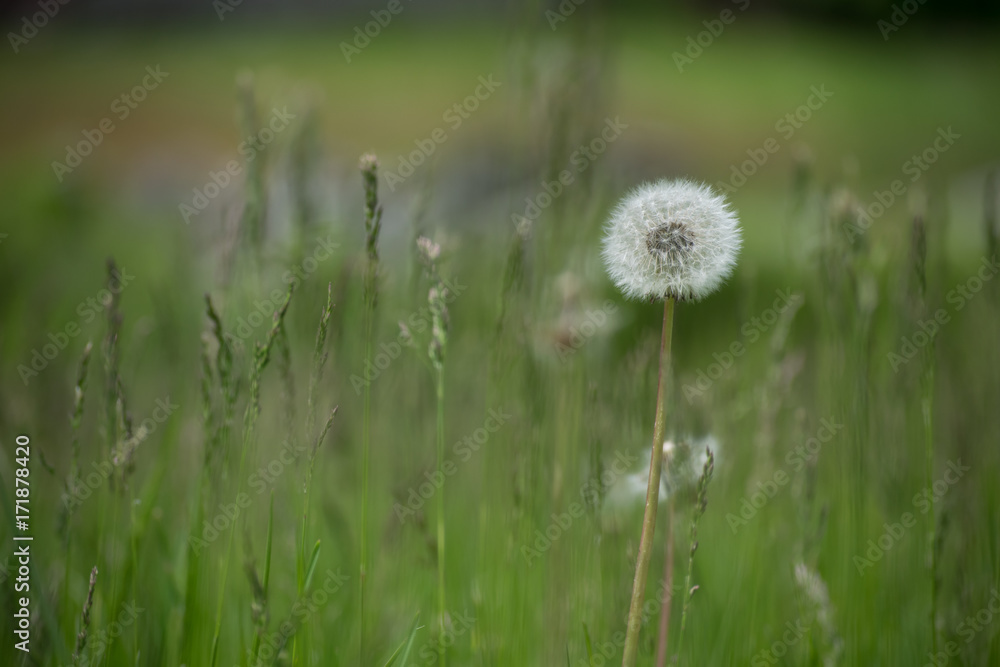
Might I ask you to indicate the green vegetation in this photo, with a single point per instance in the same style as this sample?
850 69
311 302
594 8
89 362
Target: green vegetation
848 375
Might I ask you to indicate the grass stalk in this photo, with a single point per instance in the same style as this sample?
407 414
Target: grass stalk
429 253
260 611
373 224
73 480
365 453
227 386
81 638
319 360
255 206
440 513
919 307
699 510
668 585
990 215
652 493
262 355
215 434
927 408
303 566
320 356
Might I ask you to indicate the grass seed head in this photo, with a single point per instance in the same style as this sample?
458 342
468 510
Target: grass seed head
437 300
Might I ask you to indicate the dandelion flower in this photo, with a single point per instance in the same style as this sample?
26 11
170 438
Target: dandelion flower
674 239
670 241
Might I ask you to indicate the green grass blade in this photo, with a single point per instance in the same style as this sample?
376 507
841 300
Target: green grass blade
312 565
270 536
590 648
402 654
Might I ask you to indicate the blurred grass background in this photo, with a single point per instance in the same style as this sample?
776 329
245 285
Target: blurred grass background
570 418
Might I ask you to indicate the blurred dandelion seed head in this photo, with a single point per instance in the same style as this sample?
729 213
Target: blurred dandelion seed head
683 461
671 239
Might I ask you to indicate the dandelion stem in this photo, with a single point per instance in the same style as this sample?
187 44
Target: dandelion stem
652 493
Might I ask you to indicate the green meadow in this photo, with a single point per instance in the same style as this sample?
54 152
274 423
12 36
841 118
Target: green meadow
295 441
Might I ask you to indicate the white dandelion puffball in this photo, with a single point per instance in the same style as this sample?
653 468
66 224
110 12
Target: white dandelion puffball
683 462
671 239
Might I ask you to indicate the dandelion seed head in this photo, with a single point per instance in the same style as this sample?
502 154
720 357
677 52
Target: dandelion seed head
671 239
683 461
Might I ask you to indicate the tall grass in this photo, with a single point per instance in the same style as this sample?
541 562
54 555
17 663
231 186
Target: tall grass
544 480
